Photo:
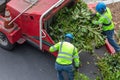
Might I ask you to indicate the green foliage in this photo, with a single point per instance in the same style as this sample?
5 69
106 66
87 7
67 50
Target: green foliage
79 76
76 20
110 67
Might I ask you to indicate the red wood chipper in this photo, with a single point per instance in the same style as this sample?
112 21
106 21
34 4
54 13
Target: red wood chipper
28 20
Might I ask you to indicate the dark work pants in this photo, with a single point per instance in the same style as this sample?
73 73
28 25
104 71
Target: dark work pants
67 68
110 34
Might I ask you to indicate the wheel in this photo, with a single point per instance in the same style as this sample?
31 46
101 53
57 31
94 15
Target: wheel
4 42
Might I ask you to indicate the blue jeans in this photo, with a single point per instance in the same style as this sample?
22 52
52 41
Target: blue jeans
67 68
110 34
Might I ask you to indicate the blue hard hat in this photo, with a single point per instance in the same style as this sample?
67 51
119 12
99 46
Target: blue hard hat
69 35
101 7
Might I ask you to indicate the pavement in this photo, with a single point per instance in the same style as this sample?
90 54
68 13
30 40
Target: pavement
26 62
88 62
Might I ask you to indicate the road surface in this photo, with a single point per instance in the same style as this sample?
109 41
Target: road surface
26 63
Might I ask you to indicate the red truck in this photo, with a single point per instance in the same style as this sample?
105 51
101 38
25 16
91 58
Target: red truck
28 20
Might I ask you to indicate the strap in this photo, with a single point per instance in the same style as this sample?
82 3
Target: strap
68 54
106 24
70 59
61 47
73 50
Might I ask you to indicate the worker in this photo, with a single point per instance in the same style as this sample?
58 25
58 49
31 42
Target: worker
105 19
67 55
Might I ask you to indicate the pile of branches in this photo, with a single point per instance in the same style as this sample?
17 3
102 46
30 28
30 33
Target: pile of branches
109 67
77 20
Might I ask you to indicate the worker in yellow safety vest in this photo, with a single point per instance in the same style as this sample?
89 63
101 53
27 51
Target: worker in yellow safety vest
67 53
105 19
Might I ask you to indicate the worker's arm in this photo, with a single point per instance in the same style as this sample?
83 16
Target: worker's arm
100 20
76 58
54 47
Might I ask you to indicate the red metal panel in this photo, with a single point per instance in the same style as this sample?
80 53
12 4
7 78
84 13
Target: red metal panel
15 35
40 7
12 36
30 24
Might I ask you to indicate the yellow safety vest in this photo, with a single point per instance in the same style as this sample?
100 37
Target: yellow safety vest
66 53
106 20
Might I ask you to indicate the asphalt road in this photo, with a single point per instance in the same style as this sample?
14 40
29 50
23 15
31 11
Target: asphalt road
26 63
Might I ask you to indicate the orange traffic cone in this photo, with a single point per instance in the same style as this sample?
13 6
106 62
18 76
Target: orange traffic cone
8 18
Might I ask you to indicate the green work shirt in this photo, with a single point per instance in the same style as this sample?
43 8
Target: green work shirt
66 53
105 20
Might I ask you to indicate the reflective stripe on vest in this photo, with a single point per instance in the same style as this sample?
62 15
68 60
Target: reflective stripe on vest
54 48
75 57
64 57
65 53
109 21
70 59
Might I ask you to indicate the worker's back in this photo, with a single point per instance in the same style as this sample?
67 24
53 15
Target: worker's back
66 51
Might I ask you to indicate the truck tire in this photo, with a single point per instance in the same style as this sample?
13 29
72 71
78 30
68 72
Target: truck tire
4 42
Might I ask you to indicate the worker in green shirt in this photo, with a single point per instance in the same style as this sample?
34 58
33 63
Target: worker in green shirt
67 53
105 19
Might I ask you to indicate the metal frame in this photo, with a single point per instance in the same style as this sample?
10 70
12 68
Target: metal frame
42 16
23 12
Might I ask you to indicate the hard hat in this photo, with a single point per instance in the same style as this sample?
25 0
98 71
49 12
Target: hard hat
101 7
69 35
